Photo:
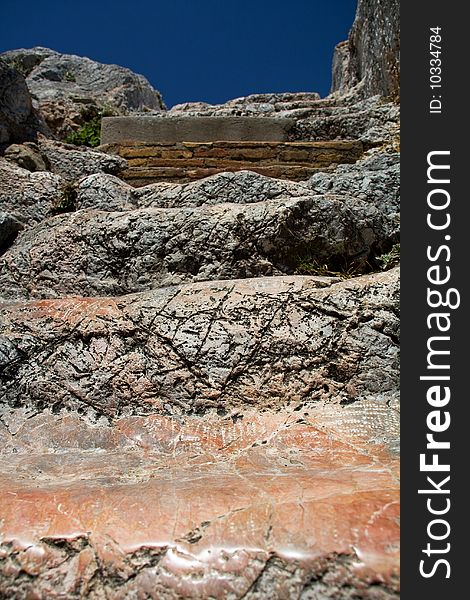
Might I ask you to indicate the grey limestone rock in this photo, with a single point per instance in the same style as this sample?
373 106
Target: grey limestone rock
374 179
241 187
66 88
18 119
370 60
73 163
94 252
27 196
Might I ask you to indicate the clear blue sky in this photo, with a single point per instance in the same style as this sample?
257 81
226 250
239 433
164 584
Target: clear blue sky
190 50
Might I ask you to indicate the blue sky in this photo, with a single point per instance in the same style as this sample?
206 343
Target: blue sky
192 50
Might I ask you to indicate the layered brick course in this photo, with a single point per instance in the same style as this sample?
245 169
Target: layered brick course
186 161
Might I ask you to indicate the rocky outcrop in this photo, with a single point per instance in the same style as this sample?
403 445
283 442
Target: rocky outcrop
375 179
370 60
32 194
197 397
19 121
70 90
73 163
243 187
266 342
104 253
28 196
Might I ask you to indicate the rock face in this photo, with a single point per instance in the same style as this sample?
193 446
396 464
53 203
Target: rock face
370 59
197 398
69 89
263 342
28 196
109 253
18 120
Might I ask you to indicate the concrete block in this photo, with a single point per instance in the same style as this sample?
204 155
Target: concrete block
154 129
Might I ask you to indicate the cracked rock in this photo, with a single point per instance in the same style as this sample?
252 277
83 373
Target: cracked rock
101 253
266 342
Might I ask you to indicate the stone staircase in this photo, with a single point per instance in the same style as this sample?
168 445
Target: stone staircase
188 409
182 149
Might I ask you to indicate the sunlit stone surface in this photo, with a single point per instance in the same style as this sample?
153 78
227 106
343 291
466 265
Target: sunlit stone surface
209 507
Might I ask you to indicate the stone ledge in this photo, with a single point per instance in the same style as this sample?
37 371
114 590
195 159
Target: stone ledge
159 129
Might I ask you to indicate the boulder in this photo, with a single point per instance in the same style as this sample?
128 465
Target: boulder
109 253
28 156
70 90
18 119
266 342
73 163
30 193
9 228
29 197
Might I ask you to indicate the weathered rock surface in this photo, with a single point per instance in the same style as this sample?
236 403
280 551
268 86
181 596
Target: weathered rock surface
29 197
375 179
243 187
263 342
369 189
372 120
67 87
30 193
9 228
101 253
73 163
204 436
370 60
297 505
18 120
27 156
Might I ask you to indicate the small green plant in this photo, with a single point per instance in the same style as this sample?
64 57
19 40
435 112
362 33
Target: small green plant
89 133
390 259
69 76
311 266
66 200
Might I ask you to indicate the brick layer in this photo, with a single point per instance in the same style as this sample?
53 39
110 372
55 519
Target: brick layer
187 161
